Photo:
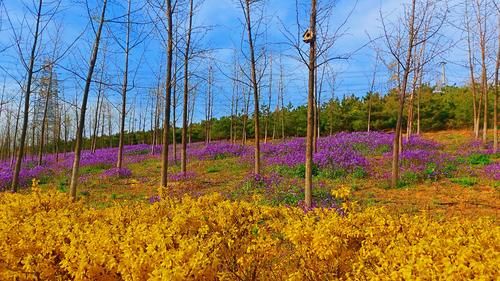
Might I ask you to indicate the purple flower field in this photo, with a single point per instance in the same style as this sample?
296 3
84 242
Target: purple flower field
342 153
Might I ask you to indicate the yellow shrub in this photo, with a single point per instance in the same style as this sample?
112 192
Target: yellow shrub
45 236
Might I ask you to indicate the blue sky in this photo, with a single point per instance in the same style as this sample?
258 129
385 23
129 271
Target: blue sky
224 18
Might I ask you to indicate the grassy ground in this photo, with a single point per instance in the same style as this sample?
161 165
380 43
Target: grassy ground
459 196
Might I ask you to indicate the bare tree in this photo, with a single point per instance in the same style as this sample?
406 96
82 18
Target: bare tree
310 37
481 13
48 93
127 47
209 107
187 53
168 93
27 95
191 112
323 39
246 6
497 68
99 103
402 42
281 99
370 94
476 104
269 96
234 93
123 111
83 109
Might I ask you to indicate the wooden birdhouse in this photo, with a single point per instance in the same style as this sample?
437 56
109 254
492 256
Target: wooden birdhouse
308 36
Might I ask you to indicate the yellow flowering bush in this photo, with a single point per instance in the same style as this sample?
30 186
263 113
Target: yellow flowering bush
45 236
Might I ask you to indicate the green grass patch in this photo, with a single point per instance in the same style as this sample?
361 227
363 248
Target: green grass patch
479 159
407 179
465 181
94 169
213 169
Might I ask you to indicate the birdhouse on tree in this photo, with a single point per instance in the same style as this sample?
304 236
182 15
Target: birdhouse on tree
308 36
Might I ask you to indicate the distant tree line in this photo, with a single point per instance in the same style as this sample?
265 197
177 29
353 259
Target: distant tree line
449 109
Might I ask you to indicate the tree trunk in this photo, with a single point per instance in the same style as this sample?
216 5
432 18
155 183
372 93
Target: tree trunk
268 113
44 119
318 108
123 113
186 91
402 93
315 112
282 95
310 108
17 168
81 123
236 101
255 87
231 125
191 111
372 87
16 129
166 121
246 101
495 105
174 115
98 109
481 22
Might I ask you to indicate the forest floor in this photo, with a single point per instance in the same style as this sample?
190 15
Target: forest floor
469 192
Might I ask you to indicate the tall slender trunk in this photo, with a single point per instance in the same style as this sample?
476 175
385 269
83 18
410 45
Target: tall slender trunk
44 119
98 108
402 94
495 105
253 76
7 137
370 94
315 112
268 113
475 106
123 113
174 113
186 91
110 126
166 121
66 131
156 121
318 108
282 94
102 120
33 130
3 143
417 76
481 21
17 168
97 116
208 109
409 123
419 93
191 111
16 129
81 123
58 125
211 103
310 107
246 101
231 125
236 101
